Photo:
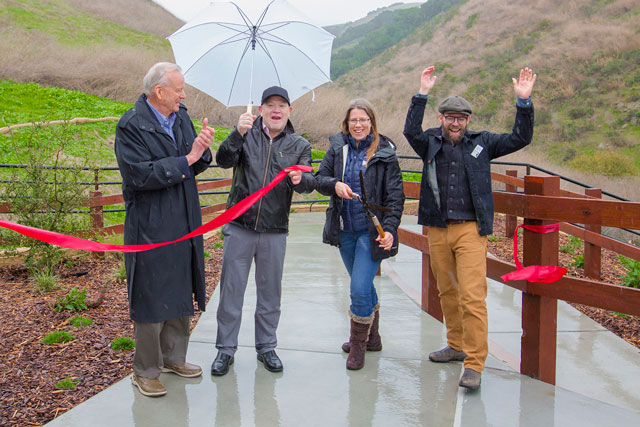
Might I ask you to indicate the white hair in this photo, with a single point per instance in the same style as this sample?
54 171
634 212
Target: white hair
157 75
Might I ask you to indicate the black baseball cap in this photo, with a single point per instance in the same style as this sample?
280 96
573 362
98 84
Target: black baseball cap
275 90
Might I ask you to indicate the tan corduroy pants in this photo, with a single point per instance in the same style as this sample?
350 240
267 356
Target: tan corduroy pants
458 260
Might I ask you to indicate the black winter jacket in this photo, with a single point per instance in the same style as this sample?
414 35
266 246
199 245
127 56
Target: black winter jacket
479 149
256 160
162 204
383 184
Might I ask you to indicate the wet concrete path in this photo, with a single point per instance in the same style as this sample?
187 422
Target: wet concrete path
597 372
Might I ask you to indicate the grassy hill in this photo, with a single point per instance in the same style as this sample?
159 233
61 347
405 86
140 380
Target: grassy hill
103 48
587 98
586 53
357 43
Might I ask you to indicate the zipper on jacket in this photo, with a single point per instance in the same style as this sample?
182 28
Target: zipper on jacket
264 182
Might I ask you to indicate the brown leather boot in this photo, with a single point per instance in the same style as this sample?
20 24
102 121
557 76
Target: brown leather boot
374 343
358 344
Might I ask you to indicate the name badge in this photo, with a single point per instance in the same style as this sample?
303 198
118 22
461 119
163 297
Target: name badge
476 151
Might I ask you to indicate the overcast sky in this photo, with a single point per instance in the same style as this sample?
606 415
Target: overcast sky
321 12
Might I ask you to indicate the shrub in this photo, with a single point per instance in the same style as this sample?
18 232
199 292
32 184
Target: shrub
79 321
632 278
58 336
207 254
123 343
578 261
573 244
44 281
606 162
67 384
74 301
120 273
46 193
218 245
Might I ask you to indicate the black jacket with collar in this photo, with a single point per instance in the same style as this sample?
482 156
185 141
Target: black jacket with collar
161 201
256 160
383 185
479 149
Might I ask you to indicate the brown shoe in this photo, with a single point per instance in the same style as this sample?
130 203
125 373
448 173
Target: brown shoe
186 370
374 343
148 387
447 354
470 379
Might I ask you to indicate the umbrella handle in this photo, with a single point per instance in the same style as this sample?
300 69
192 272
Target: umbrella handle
249 107
378 226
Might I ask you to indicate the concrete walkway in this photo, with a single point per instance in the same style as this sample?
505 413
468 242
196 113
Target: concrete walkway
597 372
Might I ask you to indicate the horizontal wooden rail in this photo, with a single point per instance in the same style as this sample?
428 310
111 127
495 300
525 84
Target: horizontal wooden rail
571 289
519 182
607 213
609 243
411 189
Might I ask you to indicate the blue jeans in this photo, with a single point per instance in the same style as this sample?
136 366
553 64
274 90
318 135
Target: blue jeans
355 250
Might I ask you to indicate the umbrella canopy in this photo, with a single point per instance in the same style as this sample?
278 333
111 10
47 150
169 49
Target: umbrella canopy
233 56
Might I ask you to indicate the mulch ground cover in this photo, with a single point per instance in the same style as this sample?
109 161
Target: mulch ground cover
30 370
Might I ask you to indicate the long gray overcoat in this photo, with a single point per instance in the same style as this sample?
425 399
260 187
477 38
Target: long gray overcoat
161 202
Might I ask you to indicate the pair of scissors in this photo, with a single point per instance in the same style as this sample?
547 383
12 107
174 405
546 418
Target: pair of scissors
367 206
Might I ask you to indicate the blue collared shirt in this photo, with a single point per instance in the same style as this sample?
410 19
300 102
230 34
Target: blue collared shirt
165 123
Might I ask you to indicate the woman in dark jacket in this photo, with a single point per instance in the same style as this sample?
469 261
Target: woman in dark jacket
359 147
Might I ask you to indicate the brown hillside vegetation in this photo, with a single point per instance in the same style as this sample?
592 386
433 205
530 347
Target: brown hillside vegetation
476 48
557 35
60 54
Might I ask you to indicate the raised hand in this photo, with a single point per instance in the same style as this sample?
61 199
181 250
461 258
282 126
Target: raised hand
245 122
524 85
427 80
201 143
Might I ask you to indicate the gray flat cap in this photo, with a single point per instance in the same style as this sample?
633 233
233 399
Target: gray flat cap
455 104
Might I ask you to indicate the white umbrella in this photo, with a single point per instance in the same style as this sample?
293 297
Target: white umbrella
233 57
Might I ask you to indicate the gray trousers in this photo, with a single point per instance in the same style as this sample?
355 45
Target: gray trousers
241 247
159 343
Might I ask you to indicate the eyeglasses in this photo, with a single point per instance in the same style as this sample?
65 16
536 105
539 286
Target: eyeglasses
451 119
361 121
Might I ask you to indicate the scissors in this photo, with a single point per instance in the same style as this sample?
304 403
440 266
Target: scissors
366 206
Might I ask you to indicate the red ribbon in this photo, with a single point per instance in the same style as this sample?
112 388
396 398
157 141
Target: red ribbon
534 273
229 215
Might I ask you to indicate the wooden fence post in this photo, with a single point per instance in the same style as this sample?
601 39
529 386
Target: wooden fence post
593 253
97 217
539 314
430 296
511 221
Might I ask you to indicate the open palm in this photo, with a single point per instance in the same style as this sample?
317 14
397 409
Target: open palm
524 85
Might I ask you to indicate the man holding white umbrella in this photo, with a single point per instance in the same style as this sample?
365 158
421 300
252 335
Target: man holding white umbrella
257 149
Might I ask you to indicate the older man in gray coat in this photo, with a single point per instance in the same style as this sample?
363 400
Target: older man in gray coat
159 155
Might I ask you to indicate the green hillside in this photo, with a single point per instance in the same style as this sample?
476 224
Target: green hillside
103 48
30 102
73 27
586 54
359 43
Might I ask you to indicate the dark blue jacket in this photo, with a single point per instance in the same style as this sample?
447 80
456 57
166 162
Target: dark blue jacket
479 149
383 183
354 217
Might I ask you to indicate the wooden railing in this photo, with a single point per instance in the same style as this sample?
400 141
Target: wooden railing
97 202
543 202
